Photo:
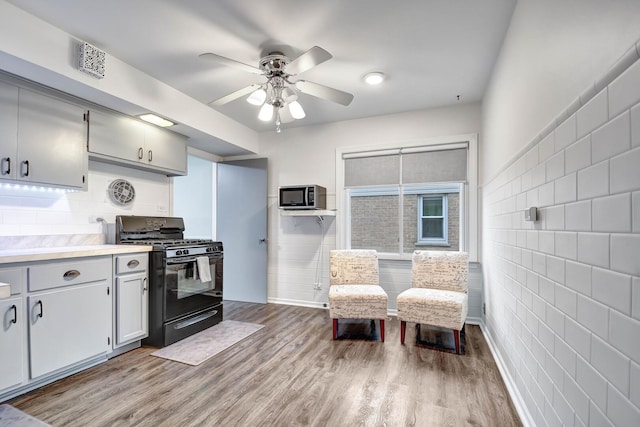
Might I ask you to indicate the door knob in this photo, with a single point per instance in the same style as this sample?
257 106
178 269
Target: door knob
263 240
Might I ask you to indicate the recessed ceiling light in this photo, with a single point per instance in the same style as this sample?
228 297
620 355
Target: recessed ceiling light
156 120
374 78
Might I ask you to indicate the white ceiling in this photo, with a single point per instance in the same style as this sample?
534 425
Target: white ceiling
431 50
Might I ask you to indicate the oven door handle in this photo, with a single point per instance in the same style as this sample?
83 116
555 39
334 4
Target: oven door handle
182 260
199 318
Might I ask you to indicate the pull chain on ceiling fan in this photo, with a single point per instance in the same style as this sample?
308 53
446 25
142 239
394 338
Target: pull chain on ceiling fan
278 96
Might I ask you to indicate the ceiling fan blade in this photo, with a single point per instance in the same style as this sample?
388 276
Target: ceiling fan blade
314 56
324 92
230 63
234 95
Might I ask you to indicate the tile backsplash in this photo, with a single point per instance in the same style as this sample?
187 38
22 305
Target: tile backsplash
33 217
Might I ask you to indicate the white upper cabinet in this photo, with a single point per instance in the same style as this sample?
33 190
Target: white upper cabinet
52 138
8 130
120 139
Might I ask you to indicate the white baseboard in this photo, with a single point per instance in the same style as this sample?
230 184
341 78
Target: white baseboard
298 303
514 393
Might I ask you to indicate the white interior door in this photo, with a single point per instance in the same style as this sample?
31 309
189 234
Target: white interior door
242 228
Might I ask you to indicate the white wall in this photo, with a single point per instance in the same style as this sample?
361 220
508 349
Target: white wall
553 51
563 294
194 198
307 156
29 212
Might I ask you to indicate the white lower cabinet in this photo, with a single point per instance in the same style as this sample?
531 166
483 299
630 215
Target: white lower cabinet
131 298
66 326
65 315
131 308
11 342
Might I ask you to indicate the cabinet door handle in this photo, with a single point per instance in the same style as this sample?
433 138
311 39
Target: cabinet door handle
144 285
26 172
71 274
8 170
41 308
140 153
150 156
133 263
15 313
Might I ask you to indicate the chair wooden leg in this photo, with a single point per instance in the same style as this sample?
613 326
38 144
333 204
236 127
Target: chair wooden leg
335 329
382 330
403 328
456 337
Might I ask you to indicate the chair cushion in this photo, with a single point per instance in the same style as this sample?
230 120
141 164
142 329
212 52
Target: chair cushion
357 302
353 266
440 270
446 309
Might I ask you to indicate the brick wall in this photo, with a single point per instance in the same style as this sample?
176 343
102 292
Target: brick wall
374 223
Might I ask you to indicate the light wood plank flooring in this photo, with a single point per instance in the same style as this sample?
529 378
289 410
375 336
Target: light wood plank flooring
290 373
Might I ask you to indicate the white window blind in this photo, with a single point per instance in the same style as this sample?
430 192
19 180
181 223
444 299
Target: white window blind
445 163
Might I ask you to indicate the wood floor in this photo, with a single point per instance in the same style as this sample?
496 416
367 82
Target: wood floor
290 373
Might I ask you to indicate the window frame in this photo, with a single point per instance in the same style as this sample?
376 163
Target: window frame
441 241
469 212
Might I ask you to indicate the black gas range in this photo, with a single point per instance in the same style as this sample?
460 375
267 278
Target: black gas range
185 277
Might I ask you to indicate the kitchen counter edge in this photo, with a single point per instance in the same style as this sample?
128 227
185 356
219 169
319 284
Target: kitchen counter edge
8 256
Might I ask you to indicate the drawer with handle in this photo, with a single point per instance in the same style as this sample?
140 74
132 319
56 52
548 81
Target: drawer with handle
131 263
56 274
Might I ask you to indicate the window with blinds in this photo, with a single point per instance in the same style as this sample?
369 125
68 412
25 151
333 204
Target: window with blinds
401 200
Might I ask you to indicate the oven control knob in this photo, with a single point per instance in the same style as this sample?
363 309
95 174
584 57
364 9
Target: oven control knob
178 252
185 252
209 249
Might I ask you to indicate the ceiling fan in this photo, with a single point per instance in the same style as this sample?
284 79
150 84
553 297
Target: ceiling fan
278 96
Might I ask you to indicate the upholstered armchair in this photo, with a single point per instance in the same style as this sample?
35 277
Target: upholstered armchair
354 291
438 293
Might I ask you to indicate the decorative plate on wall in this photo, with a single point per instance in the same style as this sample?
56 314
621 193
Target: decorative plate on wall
121 192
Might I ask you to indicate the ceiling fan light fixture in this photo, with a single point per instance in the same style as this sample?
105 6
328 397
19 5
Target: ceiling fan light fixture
296 110
289 95
266 112
374 78
257 97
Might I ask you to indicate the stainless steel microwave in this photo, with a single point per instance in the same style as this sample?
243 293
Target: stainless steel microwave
302 197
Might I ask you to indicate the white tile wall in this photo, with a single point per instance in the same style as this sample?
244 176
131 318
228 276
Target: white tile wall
611 139
594 114
625 173
578 155
612 289
564 293
565 134
613 365
635 126
578 216
593 248
612 213
624 91
593 181
625 253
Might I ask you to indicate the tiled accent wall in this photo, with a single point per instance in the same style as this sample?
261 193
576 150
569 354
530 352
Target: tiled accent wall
563 293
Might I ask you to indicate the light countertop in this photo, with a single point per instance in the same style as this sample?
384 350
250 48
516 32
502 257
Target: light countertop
8 256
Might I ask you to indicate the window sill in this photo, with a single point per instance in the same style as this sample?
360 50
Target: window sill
440 244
